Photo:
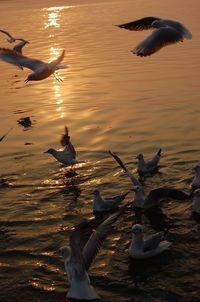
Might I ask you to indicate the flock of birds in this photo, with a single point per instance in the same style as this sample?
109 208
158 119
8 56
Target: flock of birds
84 242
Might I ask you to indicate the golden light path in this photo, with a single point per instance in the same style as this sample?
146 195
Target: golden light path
53 16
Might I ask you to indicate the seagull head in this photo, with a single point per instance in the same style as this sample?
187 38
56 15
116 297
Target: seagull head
31 77
137 229
196 168
137 189
140 156
50 151
197 193
95 191
65 251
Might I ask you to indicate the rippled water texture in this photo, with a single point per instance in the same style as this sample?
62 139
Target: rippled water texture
110 99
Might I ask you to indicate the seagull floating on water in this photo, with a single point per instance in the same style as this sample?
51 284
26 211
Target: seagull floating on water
196 202
41 70
148 165
67 156
155 196
142 248
101 204
196 180
78 258
166 32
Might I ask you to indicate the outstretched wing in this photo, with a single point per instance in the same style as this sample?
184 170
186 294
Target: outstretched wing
159 38
76 254
15 58
125 168
157 194
141 24
96 239
55 64
12 39
64 141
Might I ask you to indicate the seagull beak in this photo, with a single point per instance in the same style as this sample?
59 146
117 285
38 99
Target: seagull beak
45 152
26 81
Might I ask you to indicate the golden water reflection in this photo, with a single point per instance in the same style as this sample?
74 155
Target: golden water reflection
53 15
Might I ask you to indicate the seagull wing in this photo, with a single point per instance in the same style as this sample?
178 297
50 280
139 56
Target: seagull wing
15 58
125 168
141 24
96 239
157 194
159 38
12 39
55 64
76 254
152 242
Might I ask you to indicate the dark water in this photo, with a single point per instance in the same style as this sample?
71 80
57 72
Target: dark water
109 99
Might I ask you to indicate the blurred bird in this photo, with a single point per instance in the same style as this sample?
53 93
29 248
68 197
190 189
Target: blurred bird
41 70
79 256
196 180
101 204
142 248
155 196
196 202
148 165
166 32
67 156
2 137
18 47
10 39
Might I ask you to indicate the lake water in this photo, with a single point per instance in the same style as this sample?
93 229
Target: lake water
109 99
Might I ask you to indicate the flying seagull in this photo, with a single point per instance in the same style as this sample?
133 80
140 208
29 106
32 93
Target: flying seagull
67 156
148 165
101 204
18 47
41 70
142 248
10 39
155 196
79 256
166 32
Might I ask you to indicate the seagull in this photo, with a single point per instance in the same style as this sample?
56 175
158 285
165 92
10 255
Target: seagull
196 180
142 248
67 156
18 47
10 39
101 204
41 70
149 165
166 32
196 202
155 196
78 258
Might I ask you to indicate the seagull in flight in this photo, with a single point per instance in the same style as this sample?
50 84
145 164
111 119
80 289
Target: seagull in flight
41 70
165 32
143 201
67 156
79 255
142 248
10 39
101 204
148 166
18 47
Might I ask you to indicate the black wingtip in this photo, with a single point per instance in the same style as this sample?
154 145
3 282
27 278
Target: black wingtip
159 152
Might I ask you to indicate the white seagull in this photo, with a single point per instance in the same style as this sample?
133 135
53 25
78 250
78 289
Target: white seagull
152 245
101 204
166 32
147 166
78 258
196 180
196 202
41 70
155 196
67 156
